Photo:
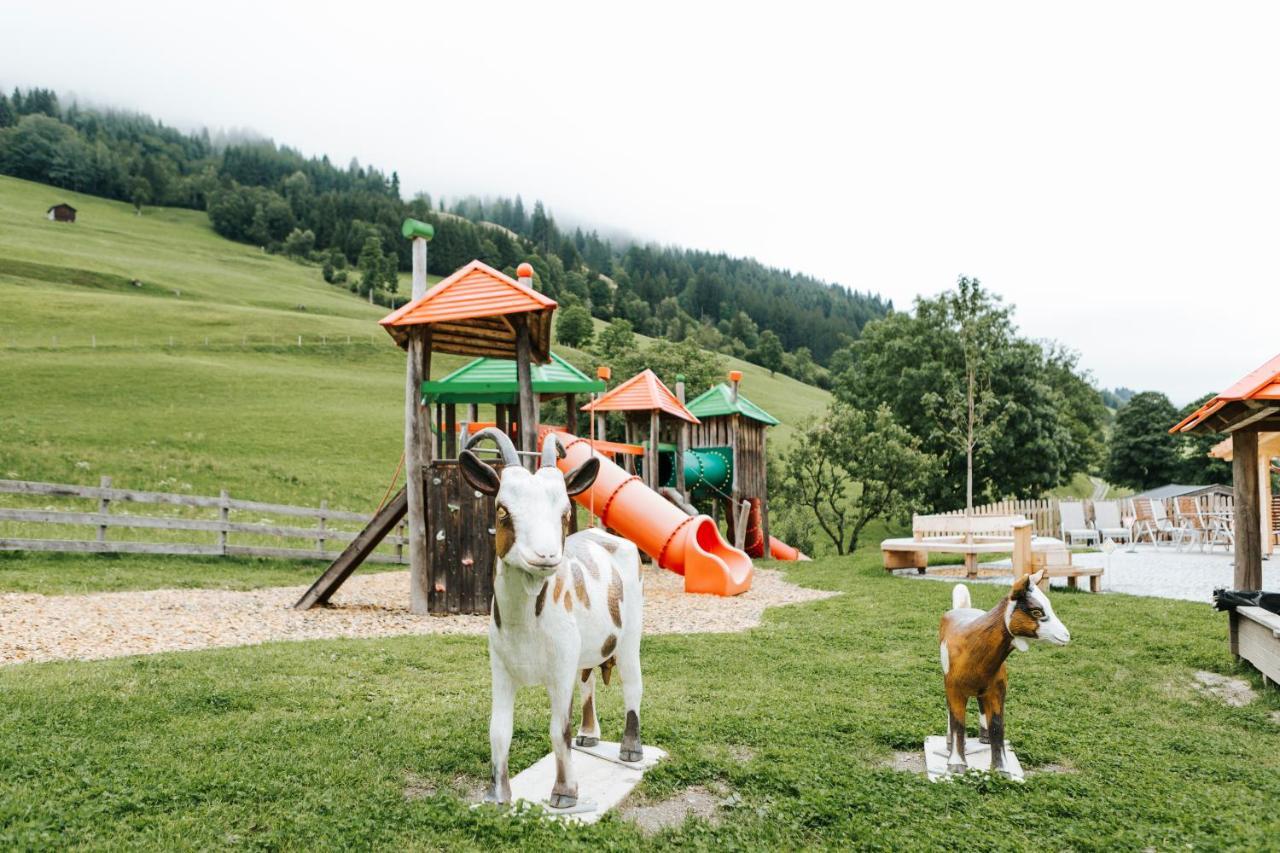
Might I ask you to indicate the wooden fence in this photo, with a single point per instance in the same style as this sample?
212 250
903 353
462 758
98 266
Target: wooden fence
220 529
1043 512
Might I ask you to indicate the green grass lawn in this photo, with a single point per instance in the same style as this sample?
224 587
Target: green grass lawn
365 743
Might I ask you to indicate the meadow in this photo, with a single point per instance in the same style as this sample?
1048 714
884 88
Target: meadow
91 384
381 743
797 725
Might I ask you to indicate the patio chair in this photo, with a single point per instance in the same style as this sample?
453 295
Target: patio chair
1153 523
1073 525
1195 526
1107 522
1222 532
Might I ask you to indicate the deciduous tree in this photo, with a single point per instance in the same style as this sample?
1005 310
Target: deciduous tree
1144 453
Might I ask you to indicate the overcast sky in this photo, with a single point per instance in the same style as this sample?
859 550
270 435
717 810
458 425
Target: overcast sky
1112 169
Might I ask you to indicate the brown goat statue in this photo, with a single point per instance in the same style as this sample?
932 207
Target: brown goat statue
974 645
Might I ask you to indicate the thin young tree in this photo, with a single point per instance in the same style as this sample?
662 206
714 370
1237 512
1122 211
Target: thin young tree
967 411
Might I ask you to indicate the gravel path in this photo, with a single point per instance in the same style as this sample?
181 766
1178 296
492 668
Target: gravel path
1162 573
113 624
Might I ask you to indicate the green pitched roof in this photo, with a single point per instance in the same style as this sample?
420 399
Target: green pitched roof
718 400
493 380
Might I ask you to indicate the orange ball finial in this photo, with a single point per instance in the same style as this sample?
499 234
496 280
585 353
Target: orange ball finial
735 375
603 372
525 270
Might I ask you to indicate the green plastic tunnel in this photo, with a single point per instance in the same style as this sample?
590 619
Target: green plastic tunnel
708 471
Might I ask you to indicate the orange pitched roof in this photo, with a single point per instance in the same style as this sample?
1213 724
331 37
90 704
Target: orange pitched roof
1263 383
643 392
467 314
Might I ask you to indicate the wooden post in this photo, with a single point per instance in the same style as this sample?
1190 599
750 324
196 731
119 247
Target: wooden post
1244 471
224 515
450 431
320 528
104 507
417 441
1022 531
764 497
473 413
651 474
741 516
682 443
399 549
528 416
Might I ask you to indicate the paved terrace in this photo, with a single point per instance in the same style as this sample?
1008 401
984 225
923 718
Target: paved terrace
1163 572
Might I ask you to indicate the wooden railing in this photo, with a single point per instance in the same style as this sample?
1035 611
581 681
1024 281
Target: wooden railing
220 529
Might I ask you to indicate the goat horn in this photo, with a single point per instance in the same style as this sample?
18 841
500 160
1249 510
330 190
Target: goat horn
505 447
551 450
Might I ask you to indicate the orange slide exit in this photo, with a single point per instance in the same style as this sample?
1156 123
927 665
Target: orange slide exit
687 545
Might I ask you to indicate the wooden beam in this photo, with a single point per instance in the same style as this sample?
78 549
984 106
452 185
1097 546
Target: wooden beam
528 405
651 475
682 443
417 455
451 431
382 523
1257 415
1248 519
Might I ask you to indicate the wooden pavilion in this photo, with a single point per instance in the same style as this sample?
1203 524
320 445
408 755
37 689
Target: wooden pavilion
648 404
476 311
730 419
1249 412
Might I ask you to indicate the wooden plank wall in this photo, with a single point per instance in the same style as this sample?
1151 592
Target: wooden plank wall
750 464
460 540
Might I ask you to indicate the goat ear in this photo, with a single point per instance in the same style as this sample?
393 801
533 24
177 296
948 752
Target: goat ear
482 477
580 479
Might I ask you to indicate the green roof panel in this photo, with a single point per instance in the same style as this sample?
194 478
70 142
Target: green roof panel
718 400
493 380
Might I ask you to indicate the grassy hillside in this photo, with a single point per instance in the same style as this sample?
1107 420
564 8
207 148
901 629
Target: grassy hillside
250 410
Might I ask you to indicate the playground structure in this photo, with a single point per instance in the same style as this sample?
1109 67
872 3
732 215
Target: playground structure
730 423
479 311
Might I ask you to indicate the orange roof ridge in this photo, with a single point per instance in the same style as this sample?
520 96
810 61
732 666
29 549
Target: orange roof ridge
467 313
433 306
643 392
1261 383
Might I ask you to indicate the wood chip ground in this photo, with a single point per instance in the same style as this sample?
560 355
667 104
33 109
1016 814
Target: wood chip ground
113 624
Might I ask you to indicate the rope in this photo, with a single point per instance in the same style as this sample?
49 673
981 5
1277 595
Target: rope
394 478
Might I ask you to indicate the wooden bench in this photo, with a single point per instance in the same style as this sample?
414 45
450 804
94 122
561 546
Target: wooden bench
987 534
1255 636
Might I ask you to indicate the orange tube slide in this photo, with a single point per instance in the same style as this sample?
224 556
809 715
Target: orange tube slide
687 545
780 550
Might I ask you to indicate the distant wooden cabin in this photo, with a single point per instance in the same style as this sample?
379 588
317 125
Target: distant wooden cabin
61 213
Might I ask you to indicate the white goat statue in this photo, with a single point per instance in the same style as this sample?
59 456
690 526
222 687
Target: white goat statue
562 606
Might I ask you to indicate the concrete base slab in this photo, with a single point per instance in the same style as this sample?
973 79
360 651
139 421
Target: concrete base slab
603 780
977 754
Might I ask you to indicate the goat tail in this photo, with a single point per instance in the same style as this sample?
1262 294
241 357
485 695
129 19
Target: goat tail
960 597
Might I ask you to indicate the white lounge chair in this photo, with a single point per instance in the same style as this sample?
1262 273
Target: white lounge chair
1108 524
1073 525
